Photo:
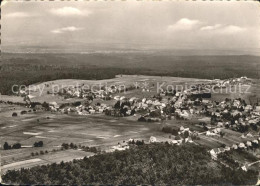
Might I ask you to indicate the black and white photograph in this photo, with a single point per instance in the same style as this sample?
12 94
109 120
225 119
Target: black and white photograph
130 92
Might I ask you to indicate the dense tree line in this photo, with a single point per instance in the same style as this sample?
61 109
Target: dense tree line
38 144
28 77
15 146
18 145
145 164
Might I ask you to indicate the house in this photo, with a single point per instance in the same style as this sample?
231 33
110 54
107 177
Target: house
234 146
216 114
220 124
208 133
235 113
30 96
144 106
163 105
252 121
117 98
236 103
175 142
92 111
160 139
184 114
179 141
243 136
205 101
216 130
149 102
248 108
257 108
152 139
122 98
241 146
245 167
186 129
188 140
128 112
227 148
225 111
76 93
54 104
228 123
181 128
249 144
120 147
249 135
132 99
214 153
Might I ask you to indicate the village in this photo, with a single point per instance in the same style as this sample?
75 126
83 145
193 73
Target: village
215 120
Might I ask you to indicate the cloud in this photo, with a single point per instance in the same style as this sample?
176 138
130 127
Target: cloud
17 15
184 24
214 27
69 11
231 29
66 29
223 29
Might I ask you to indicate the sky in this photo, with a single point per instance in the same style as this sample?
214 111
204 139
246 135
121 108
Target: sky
131 24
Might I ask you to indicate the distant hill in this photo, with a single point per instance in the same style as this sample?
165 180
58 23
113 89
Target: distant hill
125 48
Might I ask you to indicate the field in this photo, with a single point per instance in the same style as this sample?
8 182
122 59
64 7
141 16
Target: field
39 91
97 130
250 93
51 157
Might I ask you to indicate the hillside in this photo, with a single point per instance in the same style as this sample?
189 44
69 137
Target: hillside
26 68
147 164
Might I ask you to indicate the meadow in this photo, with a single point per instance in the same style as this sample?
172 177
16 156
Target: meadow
55 129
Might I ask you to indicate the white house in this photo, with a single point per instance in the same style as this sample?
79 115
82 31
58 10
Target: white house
122 98
234 146
117 98
249 135
152 139
214 153
227 148
255 141
257 108
54 104
249 144
220 124
208 133
248 108
242 145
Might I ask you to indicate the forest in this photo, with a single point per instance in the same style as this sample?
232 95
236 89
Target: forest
151 164
29 68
